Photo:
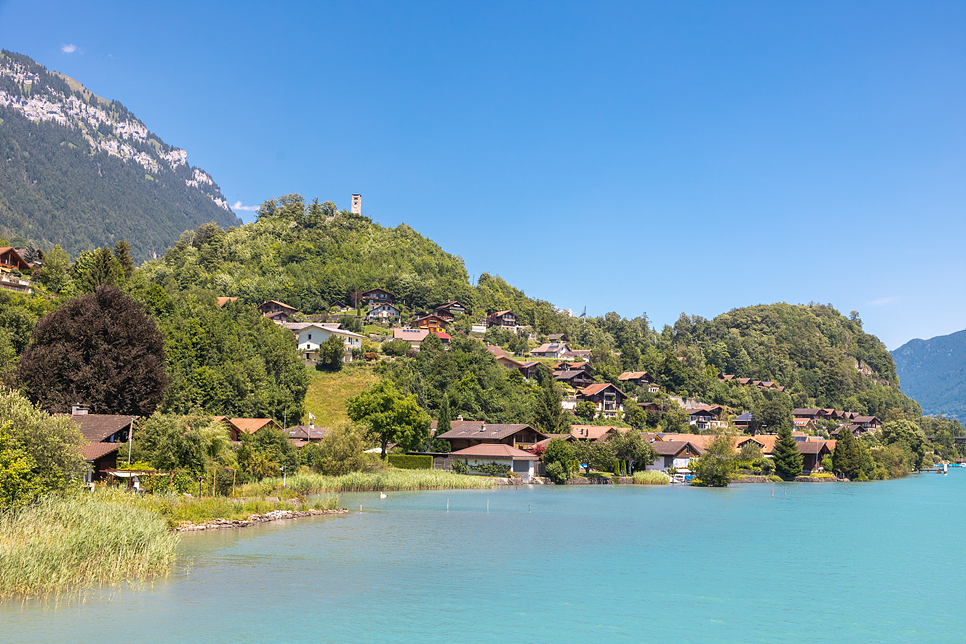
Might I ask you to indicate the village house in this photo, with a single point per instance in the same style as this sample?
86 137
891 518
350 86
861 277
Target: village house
382 313
608 399
414 337
595 432
519 462
311 335
467 433
277 312
706 417
238 426
302 435
743 421
813 452
642 379
574 366
503 319
557 337
548 350
676 454
577 379
10 259
450 309
103 435
372 297
430 322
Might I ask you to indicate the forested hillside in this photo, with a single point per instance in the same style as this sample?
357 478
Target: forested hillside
310 255
934 373
82 172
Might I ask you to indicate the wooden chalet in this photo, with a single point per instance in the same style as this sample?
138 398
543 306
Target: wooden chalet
551 350
576 379
467 433
573 366
10 259
451 309
276 311
813 452
706 416
608 399
642 379
372 297
503 319
430 322
676 454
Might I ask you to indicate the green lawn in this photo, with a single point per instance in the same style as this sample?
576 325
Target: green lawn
328 392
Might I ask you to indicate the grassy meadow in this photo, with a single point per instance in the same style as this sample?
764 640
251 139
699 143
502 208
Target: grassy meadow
385 480
328 392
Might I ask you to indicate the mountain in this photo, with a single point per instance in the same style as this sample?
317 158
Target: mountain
81 171
934 373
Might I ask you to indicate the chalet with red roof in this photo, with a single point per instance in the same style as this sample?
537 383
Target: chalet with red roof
608 399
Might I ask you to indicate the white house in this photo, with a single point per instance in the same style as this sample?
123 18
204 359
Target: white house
519 461
676 454
383 311
312 334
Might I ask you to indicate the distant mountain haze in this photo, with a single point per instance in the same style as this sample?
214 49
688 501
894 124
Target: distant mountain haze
83 172
933 372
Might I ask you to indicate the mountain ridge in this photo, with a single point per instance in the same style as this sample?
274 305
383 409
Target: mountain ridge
81 171
933 371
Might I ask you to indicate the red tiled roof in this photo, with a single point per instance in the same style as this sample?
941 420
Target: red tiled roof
590 390
495 450
94 451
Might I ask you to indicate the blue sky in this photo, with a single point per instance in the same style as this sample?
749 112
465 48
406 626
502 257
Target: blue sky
619 156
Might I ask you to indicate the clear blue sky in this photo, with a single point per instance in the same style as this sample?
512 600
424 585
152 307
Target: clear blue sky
659 157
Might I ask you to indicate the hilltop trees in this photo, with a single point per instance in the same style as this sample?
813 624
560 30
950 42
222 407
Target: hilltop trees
100 349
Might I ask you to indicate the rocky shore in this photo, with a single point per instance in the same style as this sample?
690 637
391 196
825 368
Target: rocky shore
274 515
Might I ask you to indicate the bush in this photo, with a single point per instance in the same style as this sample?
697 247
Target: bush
492 469
555 472
460 467
411 462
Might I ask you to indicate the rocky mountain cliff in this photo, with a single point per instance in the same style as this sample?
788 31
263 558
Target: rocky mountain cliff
933 372
81 171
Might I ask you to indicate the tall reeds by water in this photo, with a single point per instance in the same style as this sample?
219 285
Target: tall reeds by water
73 543
651 478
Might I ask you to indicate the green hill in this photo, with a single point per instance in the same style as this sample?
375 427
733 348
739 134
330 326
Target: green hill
934 373
80 171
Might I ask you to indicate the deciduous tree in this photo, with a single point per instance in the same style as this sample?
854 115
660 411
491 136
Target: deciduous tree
100 349
389 417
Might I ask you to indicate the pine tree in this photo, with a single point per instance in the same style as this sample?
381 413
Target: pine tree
443 424
122 252
548 415
788 460
847 457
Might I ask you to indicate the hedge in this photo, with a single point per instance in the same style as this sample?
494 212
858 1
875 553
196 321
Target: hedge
407 462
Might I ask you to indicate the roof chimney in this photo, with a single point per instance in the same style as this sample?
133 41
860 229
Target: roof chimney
78 410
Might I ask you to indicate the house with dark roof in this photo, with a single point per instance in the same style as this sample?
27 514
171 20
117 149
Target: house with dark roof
573 366
706 417
278 312
677 454
103 435
467 433
576 379
744 420
813 452
372 297
504 319
302 435
382 312
452 309
607 399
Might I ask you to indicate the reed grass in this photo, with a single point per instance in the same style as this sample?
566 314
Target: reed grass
73 543
384 480
651 478
176 509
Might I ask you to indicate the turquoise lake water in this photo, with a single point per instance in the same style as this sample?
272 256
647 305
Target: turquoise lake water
861 562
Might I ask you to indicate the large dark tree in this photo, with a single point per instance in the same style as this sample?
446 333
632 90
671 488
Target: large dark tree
99 349
788 460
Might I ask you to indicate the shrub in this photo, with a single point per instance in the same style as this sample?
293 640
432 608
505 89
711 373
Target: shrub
460 467
556 472
411 462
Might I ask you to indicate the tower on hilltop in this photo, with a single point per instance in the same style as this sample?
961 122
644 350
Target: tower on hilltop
356 204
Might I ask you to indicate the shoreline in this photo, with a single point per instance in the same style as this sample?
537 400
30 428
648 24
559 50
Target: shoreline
254 519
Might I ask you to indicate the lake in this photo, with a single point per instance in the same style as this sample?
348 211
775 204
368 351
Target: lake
859 562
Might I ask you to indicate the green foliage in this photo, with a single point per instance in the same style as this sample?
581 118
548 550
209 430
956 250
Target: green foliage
460 466
171 442
332 353
499 470
715 468
548 415
100 349
265 452
558 460
397 347
850 457
908 437
651 478
594 455
585 411
341 451
50 444
788 460
227 361
390 417
53 274
632 450
18 479
411 462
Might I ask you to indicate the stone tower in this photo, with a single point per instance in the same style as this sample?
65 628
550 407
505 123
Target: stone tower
356 204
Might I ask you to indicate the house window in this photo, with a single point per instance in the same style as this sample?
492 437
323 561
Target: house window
310 336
